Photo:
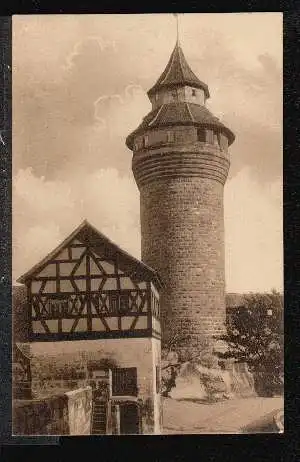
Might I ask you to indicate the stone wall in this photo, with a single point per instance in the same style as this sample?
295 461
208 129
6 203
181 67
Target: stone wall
63 414
80 411
183 239
48 416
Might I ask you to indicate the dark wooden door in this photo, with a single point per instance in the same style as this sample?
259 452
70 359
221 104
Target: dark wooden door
129 419
124 382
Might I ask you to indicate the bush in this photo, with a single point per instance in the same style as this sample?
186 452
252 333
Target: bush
255 336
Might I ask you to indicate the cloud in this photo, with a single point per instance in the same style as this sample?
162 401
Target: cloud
52 209
46 212
253 234
102 86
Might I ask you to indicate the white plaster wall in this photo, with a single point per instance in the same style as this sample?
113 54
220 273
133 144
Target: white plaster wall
197 98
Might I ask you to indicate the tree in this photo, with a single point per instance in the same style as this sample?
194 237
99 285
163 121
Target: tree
176 351
255 336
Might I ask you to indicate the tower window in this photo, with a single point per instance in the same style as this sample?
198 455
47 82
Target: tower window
174 94
201 135
210 136
170 137
216 139
145 141
223 142
219 139
193 92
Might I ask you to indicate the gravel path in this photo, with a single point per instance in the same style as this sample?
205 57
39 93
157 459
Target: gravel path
223 417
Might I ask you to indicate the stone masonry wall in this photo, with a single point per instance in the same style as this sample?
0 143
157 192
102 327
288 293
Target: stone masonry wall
80 411
61 414
48 416
183 239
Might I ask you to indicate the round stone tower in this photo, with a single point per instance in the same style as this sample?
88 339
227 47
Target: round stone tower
180 164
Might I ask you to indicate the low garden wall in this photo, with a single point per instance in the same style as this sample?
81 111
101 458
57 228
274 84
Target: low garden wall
80 411
61 414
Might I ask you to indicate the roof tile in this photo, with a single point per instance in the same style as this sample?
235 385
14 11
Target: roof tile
179 114
178 72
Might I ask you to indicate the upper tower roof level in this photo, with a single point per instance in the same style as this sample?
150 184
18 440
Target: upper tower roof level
178 73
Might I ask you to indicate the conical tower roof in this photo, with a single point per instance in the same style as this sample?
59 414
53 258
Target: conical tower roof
178 72
179 114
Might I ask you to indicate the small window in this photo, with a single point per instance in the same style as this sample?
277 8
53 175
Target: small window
158 380
124 303
124 382
170 136
216 139
193 92
223 142
145 141
156 96
113 303
210 136
119 304
201 135
174 94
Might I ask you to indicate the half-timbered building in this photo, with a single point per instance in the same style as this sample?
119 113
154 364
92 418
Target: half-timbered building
90 295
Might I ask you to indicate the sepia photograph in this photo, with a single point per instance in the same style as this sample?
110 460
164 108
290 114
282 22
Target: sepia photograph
147 224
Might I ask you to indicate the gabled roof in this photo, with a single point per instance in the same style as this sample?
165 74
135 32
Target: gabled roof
182 113
104 247
178 72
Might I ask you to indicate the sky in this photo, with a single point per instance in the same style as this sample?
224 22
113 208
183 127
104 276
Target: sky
79 88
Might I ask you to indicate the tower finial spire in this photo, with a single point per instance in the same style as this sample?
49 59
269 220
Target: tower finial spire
177 27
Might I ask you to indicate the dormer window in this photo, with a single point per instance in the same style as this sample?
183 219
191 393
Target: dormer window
201 135
193 92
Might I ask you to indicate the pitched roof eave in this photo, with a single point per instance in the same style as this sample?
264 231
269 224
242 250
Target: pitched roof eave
183 113
138 265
